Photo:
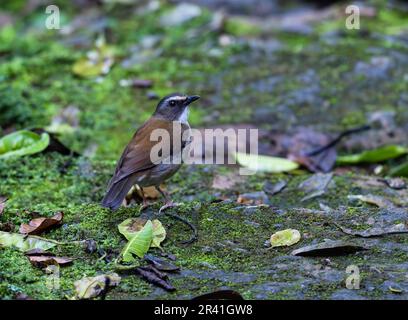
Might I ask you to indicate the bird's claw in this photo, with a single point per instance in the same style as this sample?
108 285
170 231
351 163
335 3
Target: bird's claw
144 206
168 205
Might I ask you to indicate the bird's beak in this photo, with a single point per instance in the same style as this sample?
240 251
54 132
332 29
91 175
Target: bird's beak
191 99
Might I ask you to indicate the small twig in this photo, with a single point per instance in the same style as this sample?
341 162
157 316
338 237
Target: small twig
58 242
190 225
337 140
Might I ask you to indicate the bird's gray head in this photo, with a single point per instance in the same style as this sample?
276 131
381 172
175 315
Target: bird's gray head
174 107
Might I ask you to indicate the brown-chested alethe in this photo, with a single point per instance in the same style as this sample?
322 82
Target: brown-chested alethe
135 166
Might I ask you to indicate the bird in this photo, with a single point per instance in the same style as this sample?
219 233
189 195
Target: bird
135 166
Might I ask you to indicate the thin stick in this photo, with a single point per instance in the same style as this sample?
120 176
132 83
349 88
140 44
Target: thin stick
337 140
191 226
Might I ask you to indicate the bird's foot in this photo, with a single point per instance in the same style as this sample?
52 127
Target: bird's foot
169 204
144 206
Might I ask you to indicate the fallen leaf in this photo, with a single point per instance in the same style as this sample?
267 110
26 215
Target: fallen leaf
376 231
259 163
43 261
130 227
220 295
373 156
159 233
135 194
253 198
285 238
91 287
153 276
139 244
272 189
55 144
150 193
24 243
395 290
300 147
21 143
372 199
38 225
328 248
160 264
37 252
316 185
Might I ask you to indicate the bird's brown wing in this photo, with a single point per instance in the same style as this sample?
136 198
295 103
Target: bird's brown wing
136 156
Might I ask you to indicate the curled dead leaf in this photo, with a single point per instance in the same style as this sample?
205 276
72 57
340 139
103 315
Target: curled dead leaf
328 248
253 198
161 264
156 277
373 199
376 231
135 194
38 225
43 261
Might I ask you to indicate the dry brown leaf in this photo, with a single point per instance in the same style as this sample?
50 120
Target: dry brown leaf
328 248
150 192
373 199
38 225
253 198
44 261
135 194
156 277
376 231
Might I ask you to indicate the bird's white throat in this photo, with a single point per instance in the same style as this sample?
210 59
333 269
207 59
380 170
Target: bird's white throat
184 116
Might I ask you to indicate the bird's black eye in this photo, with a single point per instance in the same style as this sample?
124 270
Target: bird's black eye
172 103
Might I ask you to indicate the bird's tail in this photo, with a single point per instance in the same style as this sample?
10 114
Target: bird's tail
116 193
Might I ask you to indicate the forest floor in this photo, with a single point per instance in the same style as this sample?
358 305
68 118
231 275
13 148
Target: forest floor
252 70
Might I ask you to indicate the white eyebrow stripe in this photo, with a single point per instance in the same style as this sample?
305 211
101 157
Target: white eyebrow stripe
178 98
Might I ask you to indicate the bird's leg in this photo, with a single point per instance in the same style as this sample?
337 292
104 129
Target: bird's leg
145 203
169 203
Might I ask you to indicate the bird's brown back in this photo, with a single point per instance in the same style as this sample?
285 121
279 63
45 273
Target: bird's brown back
136 156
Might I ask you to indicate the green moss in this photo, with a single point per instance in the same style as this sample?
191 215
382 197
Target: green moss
36 83
241 27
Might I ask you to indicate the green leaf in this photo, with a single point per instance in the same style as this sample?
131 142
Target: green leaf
91 287
265 163
159 233
286 237
400 171
139 244
22 143
132 226
24 243
373 156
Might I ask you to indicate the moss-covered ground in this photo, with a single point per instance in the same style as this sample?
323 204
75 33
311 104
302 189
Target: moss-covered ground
273 79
